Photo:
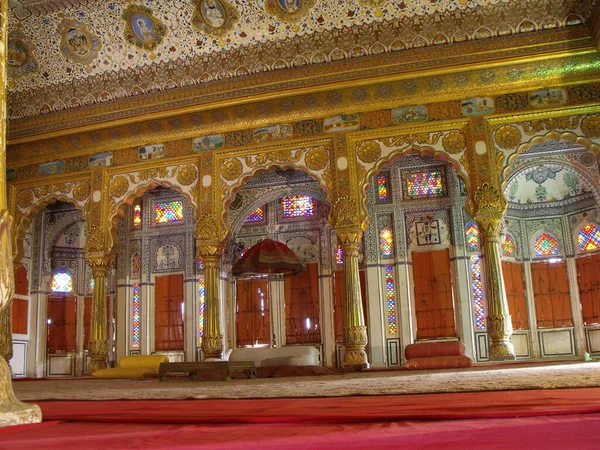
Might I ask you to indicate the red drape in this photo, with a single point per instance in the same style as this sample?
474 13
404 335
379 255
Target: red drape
253 320
62 326
168 320
433 294
588 278
515 294
551 294
302 325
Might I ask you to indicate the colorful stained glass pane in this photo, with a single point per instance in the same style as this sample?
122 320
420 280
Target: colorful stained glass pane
257 215
386 242
62 282
509 246
135 316
135 265
472 235
339 255
382 190
201 304
199 263
390 293
589 238
425 184
92 284
297 206
243 252
545 245
477 292
168 212
137 216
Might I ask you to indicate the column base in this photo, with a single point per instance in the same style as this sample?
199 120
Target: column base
355 358
13 411
502 351
212 347
96 363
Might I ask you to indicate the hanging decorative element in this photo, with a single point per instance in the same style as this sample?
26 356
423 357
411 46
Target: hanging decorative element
268 257
214 17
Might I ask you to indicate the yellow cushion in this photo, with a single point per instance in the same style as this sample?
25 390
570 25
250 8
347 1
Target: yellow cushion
145 361
125 372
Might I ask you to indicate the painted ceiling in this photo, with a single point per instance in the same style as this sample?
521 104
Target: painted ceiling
72 53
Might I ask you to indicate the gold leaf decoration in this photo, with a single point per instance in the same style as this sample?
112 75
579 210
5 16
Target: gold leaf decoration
25 198
231 169
291 11
118 186
81 191
215 18
507 137
591 126
487 198
368 151
412 138
186 175
316 158
454 142
345 212
206 228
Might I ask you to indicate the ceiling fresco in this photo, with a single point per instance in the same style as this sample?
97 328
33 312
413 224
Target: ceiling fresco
72 53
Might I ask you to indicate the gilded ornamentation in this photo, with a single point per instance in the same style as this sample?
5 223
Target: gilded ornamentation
20 58
591 126
214 17
507 137
487 198
25 198
289 10
552 123
308 127
376 119
77 43
7 281
212 346
231 169
278 156
142 29
94 245
317 158
345 212
500 330
373 3
151 174
118 186
238 138
186 175
82 190
368 151
409 139
454 142
444 111
584 93
512 102
206 228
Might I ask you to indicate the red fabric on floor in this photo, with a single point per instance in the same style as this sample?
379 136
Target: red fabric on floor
464 405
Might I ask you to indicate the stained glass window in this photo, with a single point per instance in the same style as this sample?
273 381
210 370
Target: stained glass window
92 284
339 255
545 245
390 293
137 216
243 252
62 282
297 206
472 235
509 246
201 300
425 184
135 316
589 238
199 262
168 212
382 188
477 292
257 216
386 242
135 265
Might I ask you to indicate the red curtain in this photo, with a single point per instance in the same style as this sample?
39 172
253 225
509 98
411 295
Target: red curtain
588 278
19 315
516 294
253 319
338 298
551 294
302 324
433 294
168 316
62 325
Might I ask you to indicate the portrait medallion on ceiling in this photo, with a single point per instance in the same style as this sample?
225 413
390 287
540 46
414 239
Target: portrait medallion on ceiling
20 60
289 10
142 29
214 17
77 43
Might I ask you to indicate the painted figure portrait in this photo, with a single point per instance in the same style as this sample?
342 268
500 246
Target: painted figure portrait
289 6
17 53
143 27
77 41
213 13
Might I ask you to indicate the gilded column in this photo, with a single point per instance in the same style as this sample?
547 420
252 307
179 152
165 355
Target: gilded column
6 344
490 209
99 262
212 341
12 411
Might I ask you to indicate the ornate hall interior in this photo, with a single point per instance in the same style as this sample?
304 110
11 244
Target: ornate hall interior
433 164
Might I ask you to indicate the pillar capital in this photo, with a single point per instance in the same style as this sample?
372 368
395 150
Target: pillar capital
490 207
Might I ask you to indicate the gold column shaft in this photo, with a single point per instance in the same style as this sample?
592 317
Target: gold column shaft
212 341
6 343
98 345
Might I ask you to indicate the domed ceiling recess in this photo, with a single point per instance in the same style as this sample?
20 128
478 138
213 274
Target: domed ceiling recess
66 54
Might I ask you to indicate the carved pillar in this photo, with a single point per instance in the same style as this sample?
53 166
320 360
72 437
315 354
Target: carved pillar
355 330
98 328
490 209
6 344
212 341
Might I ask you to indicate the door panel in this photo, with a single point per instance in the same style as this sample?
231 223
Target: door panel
168 313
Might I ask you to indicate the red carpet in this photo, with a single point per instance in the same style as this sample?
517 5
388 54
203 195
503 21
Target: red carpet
518 419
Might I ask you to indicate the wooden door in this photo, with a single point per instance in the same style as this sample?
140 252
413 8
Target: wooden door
516 294
434 304
168 313
302 313
588 279
551 294
62 324
253 318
